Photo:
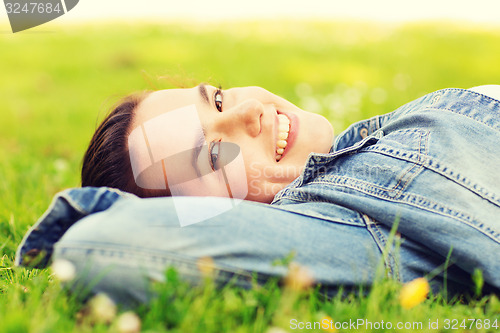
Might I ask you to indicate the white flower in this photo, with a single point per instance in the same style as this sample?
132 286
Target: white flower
102 309
128 322
64 270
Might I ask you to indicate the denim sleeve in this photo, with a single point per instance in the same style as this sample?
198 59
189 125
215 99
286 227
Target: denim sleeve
122 250
66 209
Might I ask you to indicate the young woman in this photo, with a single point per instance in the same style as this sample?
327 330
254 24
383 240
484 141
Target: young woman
275 137
428 169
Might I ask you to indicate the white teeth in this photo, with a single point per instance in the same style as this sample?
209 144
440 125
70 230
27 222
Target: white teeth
283 135
281 143
283 129
283 119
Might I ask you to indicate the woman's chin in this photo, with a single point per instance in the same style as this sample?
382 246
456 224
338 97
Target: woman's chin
321 135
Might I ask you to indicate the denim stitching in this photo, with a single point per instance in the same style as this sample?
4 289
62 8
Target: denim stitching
295 197
462 180
396 154
434 207
364 187
380 240
496 128
144 255
425 154
434 165
65 196
422 203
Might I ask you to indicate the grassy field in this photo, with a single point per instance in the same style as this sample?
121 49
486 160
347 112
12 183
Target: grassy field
56 83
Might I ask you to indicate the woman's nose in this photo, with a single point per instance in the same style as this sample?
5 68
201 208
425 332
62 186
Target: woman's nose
244 116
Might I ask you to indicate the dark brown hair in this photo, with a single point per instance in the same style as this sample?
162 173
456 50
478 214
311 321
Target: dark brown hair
106 161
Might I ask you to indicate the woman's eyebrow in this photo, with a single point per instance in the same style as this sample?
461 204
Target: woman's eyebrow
203 92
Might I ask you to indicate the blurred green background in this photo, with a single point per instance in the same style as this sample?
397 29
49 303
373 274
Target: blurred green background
55 86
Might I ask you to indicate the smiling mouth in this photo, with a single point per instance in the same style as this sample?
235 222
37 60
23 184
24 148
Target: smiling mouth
283 130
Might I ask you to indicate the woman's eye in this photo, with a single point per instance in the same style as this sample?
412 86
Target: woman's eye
218 100
213 154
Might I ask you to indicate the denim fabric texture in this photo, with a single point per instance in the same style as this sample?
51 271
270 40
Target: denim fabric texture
430 167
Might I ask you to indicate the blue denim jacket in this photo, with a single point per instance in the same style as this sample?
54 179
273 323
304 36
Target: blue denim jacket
430 166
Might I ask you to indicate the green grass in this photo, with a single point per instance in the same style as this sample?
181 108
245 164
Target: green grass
57 82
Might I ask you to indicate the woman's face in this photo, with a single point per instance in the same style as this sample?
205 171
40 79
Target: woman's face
274 136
